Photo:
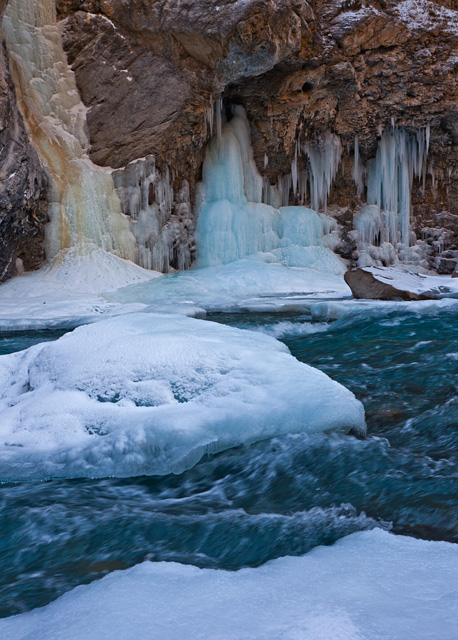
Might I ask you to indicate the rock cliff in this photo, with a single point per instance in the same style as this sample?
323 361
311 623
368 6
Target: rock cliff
149 72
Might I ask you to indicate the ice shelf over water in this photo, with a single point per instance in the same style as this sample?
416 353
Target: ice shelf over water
151 394
370 585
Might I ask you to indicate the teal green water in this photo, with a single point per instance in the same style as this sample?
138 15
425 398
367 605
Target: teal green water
279 497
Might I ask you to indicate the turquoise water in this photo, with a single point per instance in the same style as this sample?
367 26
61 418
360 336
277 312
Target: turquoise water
279 497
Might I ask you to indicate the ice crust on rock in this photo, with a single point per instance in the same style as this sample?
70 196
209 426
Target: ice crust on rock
151 394
370 585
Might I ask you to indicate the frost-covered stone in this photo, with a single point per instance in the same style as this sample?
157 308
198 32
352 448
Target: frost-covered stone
380 283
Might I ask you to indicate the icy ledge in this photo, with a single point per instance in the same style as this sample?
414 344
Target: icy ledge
368 586
151 394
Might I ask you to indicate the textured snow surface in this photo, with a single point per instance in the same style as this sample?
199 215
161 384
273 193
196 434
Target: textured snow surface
152 393
370 585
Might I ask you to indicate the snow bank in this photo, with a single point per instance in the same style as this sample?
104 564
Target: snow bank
151 394
68 291
370 585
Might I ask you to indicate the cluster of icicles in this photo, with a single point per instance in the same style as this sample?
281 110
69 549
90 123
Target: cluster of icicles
383 224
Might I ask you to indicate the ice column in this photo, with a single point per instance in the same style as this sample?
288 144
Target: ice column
84 208
400 157
324 160
161 216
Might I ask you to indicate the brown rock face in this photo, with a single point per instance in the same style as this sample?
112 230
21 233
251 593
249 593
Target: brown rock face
23 184
153 68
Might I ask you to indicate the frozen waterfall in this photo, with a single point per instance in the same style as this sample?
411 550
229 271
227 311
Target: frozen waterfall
84 208
400 157
234 222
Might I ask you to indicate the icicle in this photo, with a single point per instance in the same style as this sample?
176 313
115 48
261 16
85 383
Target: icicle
324 160
162 218
284 188
210 117
218 114
294 170
432 173
266 161
303 180
358 175
400 157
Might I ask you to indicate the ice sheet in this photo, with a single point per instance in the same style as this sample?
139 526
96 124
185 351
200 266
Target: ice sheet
151 394
231 285
68 291
370 585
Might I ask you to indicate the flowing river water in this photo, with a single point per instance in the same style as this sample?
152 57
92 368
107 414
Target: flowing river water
279 497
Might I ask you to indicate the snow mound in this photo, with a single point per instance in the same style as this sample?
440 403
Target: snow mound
68 291
370 585
151 394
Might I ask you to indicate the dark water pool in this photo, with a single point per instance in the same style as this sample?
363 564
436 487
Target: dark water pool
279 497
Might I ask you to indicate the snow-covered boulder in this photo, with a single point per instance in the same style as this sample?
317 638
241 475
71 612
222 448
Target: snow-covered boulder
390 283
151 394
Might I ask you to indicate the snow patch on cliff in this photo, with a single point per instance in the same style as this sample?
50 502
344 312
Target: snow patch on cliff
429 16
